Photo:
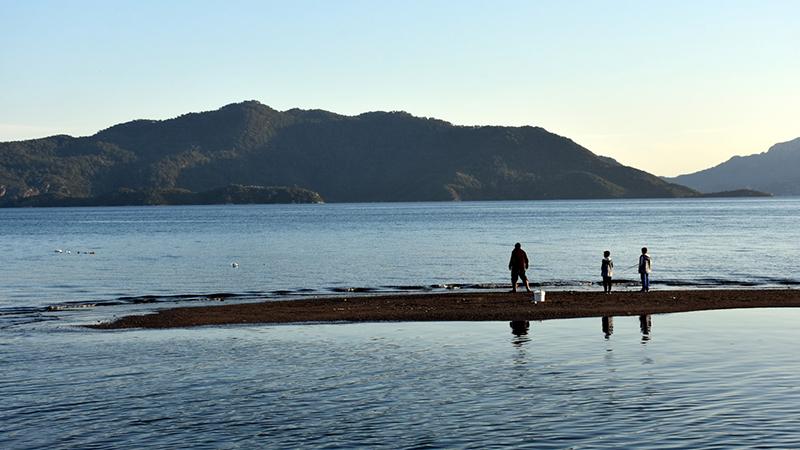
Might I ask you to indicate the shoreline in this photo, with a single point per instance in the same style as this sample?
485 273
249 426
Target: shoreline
458 306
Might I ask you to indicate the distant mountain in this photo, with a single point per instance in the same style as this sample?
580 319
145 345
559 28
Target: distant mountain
376 156
774 171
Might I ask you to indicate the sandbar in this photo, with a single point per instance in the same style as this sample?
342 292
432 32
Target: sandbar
459 306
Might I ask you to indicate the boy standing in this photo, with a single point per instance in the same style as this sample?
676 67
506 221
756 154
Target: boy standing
607 271
645 269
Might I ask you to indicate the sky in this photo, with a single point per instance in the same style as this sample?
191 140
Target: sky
667 87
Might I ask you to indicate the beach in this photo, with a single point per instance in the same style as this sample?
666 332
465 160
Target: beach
459 306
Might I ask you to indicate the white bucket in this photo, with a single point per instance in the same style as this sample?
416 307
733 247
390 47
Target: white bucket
538 296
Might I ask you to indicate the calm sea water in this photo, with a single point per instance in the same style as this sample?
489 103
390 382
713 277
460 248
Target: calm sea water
64 257
706 380
702 380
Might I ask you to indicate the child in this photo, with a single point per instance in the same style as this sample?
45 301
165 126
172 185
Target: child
645 267
607 271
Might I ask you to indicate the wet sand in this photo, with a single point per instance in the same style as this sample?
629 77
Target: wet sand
458 306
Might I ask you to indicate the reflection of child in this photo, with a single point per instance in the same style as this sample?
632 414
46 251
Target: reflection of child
607 271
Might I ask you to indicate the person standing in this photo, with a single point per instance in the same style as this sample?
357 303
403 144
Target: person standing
518 264
607 271
645 267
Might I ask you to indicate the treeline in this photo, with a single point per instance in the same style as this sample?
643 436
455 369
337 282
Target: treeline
234 194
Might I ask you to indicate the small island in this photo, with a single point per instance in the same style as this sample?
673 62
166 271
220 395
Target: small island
736 193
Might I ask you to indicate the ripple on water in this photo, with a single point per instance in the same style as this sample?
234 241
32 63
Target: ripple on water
702 381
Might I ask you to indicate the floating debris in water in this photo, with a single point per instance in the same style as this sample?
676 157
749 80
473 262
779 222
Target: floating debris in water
77 252
352 289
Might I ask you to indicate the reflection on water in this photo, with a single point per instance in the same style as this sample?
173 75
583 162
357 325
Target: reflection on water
645 324
608 326
408 385
519 328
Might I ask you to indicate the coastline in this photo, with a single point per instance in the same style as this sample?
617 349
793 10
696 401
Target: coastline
458 306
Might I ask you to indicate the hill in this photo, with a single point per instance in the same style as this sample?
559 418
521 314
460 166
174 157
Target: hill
375 156
773 171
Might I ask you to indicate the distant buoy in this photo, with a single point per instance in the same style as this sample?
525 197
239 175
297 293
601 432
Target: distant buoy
234 265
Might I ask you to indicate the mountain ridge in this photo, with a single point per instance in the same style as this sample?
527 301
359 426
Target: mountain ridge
373 156
773 171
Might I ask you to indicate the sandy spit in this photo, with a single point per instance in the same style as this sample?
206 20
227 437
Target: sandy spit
455 306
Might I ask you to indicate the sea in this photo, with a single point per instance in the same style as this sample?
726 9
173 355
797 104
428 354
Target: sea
716 379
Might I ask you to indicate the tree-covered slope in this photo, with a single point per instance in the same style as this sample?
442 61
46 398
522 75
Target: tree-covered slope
377 156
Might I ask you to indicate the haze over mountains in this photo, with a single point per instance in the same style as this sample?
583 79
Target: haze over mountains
776 171
375 156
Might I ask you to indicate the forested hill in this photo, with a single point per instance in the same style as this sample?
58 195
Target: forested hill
376 156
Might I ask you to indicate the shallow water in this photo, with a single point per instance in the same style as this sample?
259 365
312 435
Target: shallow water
166 255
701 380
698 380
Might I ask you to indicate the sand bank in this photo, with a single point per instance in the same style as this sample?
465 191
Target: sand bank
454 306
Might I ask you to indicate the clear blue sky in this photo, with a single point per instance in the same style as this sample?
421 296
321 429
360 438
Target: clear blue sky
668 87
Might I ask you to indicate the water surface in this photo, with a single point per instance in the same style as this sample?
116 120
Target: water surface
147 255
703 380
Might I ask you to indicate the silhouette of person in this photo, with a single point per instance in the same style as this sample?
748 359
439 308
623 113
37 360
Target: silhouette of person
607 271
518 264
645 267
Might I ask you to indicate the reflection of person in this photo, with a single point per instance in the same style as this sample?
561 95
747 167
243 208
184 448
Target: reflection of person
645 269
608 326
518 264
645 324
607 271
519 327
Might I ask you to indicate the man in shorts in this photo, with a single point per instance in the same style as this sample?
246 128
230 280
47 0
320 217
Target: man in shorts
518 264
